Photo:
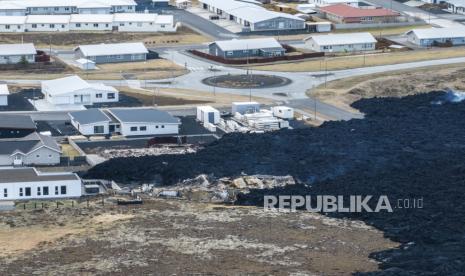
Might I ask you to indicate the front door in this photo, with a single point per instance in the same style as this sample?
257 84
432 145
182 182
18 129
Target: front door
18 160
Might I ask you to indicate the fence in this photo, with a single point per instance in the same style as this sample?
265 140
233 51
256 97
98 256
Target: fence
381 26
47 65
256 60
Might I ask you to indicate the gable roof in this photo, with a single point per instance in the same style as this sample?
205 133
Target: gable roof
251 44
113 49
23 4
342 39
12 175
28 144
65 85
142 115
344 10
432 33
89 116
16 121
17 49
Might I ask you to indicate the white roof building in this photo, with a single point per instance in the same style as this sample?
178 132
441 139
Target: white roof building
48 19
28 4
91 18
113 49
243 44
17 49
347 42
12 20
4 92
426 37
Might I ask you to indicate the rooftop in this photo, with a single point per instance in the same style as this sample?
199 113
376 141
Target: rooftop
47 19
242 44
16 121
113 49
89 116
341 39
91 18
22 4
27 144
12 175
439 32
64 85
17 49
344 10
12 20
142 115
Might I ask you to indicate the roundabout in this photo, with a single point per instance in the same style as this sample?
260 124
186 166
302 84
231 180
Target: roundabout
246 81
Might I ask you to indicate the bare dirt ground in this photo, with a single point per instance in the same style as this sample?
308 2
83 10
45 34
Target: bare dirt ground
172 237
70 40
344 92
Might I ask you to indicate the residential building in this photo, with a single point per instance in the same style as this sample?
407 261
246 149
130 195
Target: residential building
347 42
456 6
58 7
33 149
16 53
73 90
4 93
91 22
161 3
252 17
12 24
243 48
111 53
30 184
322 3
91 122
183 4
143 22
16 126
345 14
430 37
145 121
47 23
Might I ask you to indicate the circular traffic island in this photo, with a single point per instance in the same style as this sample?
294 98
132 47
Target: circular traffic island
245 81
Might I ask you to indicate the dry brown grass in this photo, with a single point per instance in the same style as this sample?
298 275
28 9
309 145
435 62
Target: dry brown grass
349 62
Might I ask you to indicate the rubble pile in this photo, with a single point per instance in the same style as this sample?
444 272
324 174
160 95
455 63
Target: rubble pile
407 147
207 188
152 151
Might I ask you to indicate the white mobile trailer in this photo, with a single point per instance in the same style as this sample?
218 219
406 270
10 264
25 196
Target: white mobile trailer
283 112
208 114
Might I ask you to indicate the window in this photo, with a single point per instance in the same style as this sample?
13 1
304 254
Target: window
63 190
143 128
162 126
5 192
7 27
99 95
66 9
28 191
133 128
96 25
56 190
121 24
110 96
21 192
98 129
156 126
38 191
56 8
52 26
45 191
34 26
49 156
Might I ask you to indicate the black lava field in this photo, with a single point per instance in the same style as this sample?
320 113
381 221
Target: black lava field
411 147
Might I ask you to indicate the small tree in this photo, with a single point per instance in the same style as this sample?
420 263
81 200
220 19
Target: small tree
24 61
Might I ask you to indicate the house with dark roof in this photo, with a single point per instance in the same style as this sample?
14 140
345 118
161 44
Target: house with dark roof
243 48
125 121
16 126
28 183
34 149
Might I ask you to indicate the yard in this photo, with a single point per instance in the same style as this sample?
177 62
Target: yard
69 40
349 62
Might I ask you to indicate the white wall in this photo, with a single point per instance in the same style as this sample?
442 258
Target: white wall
312 45
13 12
73 189
3 100
16 59
70 99
151 129
83 26
47 27
11 28
52 10
88 129
104 98
94 10
42 156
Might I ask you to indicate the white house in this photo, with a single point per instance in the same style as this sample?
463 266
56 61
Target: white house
143 22
47 23
4 92
14 53
348 42
33 149
91 122
428 37
30 184
144 121
74 90
455 6
12 24
91 22
112 53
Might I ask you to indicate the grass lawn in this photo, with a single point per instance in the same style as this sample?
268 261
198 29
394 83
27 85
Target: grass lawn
349 62
69 151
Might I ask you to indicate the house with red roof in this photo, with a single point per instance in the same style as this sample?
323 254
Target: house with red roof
344 14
